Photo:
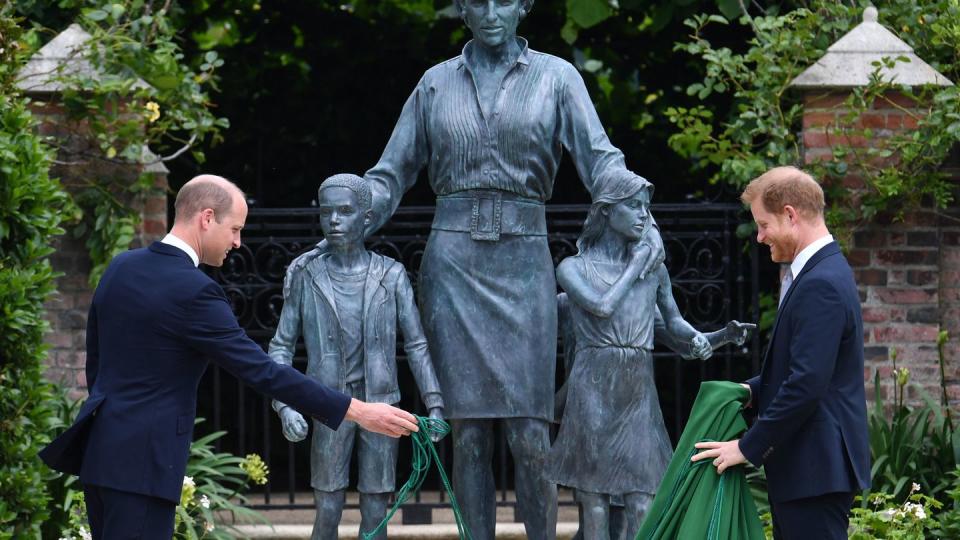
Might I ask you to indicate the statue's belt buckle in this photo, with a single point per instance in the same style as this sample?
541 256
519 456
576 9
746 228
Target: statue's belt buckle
485 222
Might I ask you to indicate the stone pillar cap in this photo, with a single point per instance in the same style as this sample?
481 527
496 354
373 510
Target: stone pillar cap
64 55
848 63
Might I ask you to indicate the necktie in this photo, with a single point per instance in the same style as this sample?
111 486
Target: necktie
785 285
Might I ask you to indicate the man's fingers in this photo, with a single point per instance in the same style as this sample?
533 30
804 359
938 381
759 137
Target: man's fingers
705 455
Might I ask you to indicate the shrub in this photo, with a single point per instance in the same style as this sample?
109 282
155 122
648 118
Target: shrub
31 208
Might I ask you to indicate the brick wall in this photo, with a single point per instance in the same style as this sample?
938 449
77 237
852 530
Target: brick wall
950 297
907 271
67 308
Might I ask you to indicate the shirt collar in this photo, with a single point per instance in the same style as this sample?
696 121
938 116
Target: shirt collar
801 259
176 242
523 58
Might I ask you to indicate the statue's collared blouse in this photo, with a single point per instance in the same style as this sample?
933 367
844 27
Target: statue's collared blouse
541 107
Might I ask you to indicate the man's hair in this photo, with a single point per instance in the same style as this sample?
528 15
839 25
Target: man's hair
781 186
201 193
352 182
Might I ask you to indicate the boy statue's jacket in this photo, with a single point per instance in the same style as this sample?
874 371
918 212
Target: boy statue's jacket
310 310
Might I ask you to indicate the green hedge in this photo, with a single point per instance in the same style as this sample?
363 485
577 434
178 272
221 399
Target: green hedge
31 209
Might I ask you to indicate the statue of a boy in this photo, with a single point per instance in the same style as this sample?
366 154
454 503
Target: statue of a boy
347 303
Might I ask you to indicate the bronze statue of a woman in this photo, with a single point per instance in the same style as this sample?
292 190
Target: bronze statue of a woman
490 126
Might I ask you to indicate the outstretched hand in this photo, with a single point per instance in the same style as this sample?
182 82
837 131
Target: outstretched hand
382 418
739 332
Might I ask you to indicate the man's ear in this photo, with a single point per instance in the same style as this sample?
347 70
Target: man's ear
368 217
207 217
792 215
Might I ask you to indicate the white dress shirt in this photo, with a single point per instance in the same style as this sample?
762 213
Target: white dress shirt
801 259
176 242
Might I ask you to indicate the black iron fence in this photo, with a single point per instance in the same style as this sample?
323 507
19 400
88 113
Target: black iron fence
714 280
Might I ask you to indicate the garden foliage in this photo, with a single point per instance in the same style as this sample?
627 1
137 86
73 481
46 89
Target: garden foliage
762 127
32 208
143 99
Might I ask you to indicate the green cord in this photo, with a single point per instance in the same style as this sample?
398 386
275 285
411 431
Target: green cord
424 454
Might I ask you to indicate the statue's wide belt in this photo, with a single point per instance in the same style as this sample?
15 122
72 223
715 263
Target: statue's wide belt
488 214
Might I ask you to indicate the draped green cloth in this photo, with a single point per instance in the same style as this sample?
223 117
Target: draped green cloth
693 501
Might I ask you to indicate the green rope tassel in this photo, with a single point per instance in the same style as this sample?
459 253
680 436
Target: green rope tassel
424 454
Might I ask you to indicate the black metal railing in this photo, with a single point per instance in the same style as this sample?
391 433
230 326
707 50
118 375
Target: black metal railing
714 280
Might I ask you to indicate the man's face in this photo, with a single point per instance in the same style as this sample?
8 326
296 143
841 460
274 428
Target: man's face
776 231
629 217
492 22
221 237
341 218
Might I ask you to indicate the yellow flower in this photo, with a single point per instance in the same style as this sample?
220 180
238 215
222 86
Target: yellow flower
255 468
154 109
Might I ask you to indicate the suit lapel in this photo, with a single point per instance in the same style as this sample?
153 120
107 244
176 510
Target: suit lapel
830 249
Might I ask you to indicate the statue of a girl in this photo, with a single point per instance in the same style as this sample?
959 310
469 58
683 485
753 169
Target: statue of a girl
612 440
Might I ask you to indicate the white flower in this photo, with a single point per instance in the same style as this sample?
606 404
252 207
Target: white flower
85 534
205 501
188 481
915 488
888 514
208 526
915 509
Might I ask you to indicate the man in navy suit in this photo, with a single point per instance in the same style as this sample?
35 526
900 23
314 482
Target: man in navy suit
811 430
154 324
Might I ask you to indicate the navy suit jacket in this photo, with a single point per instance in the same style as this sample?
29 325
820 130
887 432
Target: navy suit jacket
811 430
154 323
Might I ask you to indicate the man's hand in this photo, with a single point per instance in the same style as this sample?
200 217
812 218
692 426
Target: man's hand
700 347
294 426
724 454
436 413
382 418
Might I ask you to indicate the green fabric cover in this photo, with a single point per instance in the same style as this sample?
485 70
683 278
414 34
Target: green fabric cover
693 501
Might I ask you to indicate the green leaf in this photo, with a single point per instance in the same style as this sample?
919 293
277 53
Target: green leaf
588 13
96 15
662 15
